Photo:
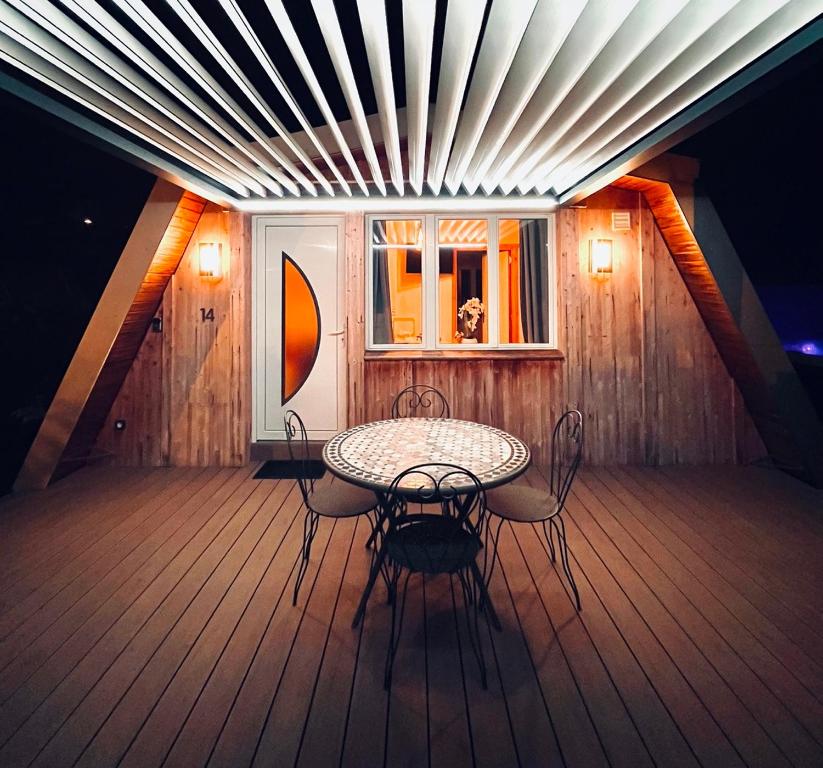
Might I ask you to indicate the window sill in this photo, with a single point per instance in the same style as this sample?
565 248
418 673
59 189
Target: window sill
465 354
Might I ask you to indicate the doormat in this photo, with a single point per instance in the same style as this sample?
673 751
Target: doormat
290 470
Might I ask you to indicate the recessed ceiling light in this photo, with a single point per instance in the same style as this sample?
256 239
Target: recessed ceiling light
87 221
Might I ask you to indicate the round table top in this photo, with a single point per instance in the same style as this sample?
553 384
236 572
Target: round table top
372 455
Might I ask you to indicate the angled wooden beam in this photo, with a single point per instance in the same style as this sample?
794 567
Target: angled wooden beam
114 333
742 332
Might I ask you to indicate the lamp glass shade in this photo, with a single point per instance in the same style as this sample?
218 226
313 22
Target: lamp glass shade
211 263
600 256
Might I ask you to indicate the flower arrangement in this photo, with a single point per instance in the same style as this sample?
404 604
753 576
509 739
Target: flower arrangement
469 314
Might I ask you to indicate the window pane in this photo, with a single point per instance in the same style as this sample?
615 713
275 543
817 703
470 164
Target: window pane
397 281
524 281
462 280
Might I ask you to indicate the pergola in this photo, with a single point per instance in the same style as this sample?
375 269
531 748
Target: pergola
529 102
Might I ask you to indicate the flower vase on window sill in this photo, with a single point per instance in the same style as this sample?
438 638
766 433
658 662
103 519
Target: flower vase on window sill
469 317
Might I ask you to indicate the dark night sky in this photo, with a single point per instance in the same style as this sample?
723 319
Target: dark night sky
762 166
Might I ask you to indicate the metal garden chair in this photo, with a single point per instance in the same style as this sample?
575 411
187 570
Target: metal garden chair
420 400
524 504
425 543
336 501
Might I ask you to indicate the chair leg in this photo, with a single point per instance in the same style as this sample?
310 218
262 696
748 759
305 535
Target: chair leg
377 527
471 610
396 626
309 530
495 537
547 532
560 528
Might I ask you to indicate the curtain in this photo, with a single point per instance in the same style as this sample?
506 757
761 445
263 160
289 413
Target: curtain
534 280
383 333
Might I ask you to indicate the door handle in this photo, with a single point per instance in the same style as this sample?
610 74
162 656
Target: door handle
336 333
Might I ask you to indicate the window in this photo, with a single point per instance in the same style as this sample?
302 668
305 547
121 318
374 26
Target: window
434 282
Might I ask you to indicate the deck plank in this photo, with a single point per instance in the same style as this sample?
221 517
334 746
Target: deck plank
690 608
133 572
149 622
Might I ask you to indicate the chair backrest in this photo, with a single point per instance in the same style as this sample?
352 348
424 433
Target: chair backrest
298 443
567 451
420 400
438 538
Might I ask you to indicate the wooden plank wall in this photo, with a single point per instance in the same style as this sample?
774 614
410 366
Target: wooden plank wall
639 362
187 397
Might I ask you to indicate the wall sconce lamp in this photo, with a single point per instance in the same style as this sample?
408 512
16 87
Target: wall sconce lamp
600 256
211 262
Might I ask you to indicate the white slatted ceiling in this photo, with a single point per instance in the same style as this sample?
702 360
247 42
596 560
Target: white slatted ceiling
559 89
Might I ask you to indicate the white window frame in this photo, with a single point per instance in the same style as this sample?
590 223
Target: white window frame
431 298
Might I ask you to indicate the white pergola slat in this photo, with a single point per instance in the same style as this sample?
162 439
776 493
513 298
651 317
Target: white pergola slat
209 39
463 22
101 93
119 38
562 92
284 25
333 36
376 36
418 38
548 27
23 55
594 28
690 24
638 31
747 32
53 20
242 25
504 30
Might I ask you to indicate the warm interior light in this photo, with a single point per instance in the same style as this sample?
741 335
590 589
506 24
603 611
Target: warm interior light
211 267
600 256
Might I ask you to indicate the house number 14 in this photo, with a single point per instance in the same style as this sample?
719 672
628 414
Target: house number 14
206 314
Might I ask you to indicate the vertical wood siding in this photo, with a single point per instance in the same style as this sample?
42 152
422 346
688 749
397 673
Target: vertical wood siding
638 360
187 397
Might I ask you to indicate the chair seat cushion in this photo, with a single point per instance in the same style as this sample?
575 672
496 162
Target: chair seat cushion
521 503
342 500
434 543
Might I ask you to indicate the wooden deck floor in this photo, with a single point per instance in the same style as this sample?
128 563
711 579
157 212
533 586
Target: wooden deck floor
145 620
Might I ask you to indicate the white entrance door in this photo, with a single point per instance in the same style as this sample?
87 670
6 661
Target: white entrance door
299 344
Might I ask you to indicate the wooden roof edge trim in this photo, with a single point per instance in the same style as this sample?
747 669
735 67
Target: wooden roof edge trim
98 339
759 365
670 168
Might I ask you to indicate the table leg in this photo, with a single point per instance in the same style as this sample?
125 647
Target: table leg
379 557
381 518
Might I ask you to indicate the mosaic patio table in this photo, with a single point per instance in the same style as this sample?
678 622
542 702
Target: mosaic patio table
372 455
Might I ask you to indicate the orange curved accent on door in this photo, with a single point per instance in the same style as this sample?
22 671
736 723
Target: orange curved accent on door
301 328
